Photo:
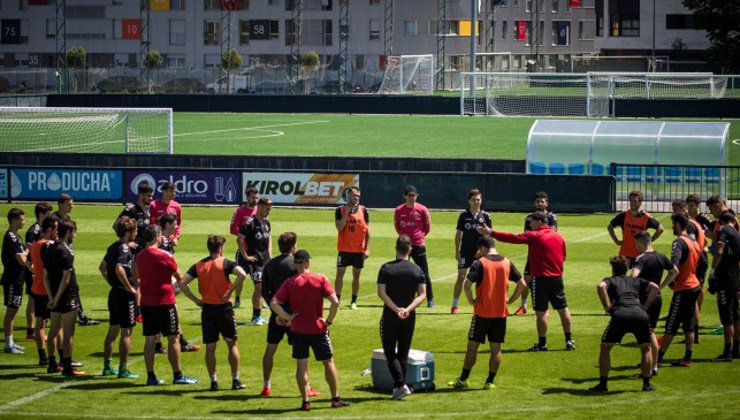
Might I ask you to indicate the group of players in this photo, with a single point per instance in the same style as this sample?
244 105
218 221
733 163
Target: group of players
144 279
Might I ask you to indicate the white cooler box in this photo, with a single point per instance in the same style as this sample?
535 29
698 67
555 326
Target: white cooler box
419 371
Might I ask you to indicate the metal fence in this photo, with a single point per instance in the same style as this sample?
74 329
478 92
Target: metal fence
661 184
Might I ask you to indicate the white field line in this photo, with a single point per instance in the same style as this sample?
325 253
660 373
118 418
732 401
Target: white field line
263 127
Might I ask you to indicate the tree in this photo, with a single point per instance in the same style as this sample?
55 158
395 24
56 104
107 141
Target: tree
309 63
153 59
77 57
230 60
720 19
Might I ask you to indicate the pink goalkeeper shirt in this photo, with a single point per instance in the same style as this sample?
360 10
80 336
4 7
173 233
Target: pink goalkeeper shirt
158 208
414 222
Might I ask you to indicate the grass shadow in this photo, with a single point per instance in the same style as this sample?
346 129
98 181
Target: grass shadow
578 392
157 390
103 385
579 381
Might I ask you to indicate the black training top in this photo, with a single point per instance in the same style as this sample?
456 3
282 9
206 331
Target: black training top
727 271
402 279
142 217
117 254
275 273
624 293
467 223
13 270
59 258
257 236
33 233
652 265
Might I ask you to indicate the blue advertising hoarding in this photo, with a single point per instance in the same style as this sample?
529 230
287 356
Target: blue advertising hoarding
81 184
212 187
4 183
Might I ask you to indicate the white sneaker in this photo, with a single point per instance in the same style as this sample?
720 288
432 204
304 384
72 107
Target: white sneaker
400 392
258 321
12 350
19 347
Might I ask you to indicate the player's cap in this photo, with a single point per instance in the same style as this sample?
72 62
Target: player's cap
301 256
410 189
540 216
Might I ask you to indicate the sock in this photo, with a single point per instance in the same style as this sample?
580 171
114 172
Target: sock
42 354
9 341
524 302
736 347
52 360
603 380
256 312
106 363
687 355
157 347
335 398
213 378
660 355
542 341
67 363
339 297
267 384
728 348
177 375
235 376
123 367
308 385
61 355
183 341
354 299
29 330
491 375
454 302
645 381
150 375
567 336
465 374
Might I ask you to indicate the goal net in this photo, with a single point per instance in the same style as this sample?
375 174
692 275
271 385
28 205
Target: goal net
96 130
523 94
408 74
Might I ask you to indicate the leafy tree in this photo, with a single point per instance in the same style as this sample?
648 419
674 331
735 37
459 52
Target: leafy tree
720 19
231 60
76 57
153 59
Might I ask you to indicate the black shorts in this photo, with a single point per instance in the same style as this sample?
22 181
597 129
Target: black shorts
355 259
320 344
654 311
276 332
67 304
466 260
39 306
122 308
682 310
635 322
727 305
526 268
701 267
493 328
548 290
217 319
159 319
27 279
13 295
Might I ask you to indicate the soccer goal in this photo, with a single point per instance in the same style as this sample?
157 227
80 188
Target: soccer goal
408 74
97 130
523 94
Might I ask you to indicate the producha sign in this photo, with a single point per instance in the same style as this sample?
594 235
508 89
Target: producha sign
191 186
301 188
82 185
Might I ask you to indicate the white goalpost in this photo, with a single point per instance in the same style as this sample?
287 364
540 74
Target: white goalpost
96 130
408 74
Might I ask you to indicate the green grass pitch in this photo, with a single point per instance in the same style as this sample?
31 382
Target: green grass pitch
529 385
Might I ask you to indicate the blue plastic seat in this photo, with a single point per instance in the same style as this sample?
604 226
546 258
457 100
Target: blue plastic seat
576 168
693 175
597 169
557 169
652 173
537 168
634 174
672 175
712 175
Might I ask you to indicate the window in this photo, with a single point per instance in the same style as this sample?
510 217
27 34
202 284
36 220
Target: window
516 3
212 32
422 27
328 33
177 4
626 27
374 29
561 32
541 33
527 6
679 22
212 61
51 28
243 32
177 31
600 26
274 29
211 4
556 5
504 29
175 62
409 27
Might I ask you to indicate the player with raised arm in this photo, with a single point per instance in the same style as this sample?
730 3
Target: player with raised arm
619 295
353 242
412 219
466 240
631 221
217 314
491 274
14 256
303 294
167 205
116 270
401 287
255 248
650 265
241 214
541 202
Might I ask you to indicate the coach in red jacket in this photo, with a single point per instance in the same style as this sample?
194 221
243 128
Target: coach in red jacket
546 257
